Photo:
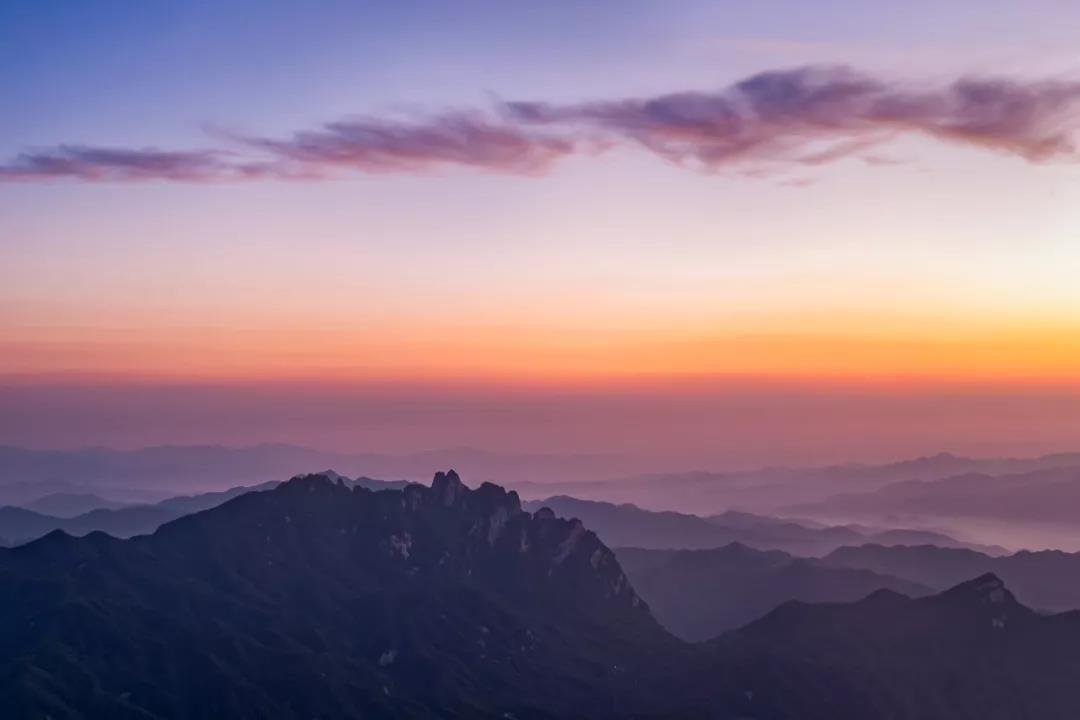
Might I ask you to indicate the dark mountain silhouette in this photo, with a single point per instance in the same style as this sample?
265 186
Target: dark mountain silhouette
1047 579
698 594
970 653
19 525
630 526
314 600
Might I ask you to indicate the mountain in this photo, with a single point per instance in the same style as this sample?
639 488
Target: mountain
774 490
970 653
154 473
630 526
1047 579
68 505
698 594
316 600
150 474
19 525
1043 496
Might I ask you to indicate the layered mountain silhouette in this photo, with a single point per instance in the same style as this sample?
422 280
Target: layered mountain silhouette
970 652
22 524
1046 579
70 504
774 490
317 600
698 594
152 473
1041 496
627 525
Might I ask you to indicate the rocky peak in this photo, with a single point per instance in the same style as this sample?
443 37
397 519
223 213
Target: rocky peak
444 532
987 589
447 487
312 483
985 596
494 497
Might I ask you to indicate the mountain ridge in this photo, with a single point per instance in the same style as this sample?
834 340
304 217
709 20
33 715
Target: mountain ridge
627 525
1044 579
700 594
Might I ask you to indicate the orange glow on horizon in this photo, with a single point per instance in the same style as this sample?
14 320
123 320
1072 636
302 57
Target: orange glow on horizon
1008 355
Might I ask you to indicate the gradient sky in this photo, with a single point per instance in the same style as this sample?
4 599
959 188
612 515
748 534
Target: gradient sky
471 197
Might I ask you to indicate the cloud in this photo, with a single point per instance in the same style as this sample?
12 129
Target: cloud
793 118
376 145
817 115
369 145
118 164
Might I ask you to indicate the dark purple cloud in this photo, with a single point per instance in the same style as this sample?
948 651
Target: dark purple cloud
817 115
801 117
115 164
376 145
365 145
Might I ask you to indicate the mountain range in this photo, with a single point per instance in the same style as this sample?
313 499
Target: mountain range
70 504
775 490
972 652
19 524
150 474
627 525
1045 495
619 525
699 594
316 600
1046 579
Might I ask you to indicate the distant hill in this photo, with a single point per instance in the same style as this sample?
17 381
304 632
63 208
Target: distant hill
699 594
1042 496
19 525
154 473
1048 579
775 490
630 526
66 505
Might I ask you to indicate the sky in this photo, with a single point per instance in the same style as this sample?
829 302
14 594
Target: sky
724 233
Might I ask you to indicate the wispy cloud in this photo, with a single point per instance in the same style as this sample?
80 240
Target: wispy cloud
815 115
792 118
116 164
378 145
367 145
